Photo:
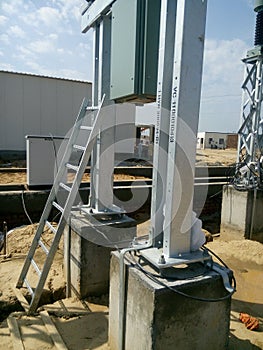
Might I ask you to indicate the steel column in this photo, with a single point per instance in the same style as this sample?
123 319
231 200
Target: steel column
163 99
101 198
184 116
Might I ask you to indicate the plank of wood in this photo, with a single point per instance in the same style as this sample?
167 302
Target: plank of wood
21 299
53 332
15 333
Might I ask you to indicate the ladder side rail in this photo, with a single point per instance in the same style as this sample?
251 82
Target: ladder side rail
51 196
66 212
46 267
69 147
84 161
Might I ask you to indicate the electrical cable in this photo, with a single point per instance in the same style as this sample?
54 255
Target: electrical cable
55 151
31 222
24 207
157 280
205 271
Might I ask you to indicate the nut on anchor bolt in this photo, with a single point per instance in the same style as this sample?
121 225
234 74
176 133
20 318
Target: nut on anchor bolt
161 260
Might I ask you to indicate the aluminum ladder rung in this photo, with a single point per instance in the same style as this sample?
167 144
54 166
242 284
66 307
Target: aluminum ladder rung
44 248
49 225
37 269
29 287
56 205
51 203
84 127
66 187
73 167
80 148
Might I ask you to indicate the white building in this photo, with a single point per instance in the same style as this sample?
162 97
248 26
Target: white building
37 105
215 140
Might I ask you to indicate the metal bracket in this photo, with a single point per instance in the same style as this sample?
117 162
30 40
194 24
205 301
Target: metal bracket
224 276
156 257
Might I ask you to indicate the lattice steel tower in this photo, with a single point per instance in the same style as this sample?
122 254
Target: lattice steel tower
249 171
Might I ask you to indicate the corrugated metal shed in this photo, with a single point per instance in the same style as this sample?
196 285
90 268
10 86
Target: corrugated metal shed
41 105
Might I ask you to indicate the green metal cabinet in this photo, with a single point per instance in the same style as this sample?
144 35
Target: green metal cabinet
134 50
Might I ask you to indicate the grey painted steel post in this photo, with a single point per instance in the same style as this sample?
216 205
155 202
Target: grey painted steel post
184 116
163 99
101 196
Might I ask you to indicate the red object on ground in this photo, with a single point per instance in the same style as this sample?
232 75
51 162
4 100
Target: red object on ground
249 321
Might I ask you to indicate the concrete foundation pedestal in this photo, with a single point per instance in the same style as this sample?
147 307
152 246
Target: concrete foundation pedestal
157 318
88 243
242 213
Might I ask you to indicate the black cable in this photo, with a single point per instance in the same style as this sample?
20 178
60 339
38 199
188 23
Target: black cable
55 150
205 271
24 208
157 280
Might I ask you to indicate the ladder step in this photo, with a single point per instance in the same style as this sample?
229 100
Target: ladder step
56 205
66 187
73 167
29 287
87 116
78 147
44 248
84 127
50 226
37 269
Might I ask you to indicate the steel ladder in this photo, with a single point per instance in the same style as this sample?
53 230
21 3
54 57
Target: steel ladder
74 160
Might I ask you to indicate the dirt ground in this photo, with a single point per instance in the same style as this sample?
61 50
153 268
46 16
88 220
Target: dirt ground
84 325
203 158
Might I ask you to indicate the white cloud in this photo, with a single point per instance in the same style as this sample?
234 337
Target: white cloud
17 31
51 37
4 38
222 79
3 20
24 53
223 68
9 7
49 16
7 66
42 46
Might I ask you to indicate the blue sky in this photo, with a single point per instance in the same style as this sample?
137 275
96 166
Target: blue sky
44 37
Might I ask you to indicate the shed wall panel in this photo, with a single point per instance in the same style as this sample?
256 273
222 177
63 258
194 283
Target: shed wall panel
37 105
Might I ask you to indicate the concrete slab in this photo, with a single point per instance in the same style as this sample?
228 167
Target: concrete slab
158 318
242 212
88 243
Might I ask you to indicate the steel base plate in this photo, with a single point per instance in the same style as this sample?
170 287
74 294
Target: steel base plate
155 257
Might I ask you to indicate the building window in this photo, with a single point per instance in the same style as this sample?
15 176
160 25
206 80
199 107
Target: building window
221 141
210 140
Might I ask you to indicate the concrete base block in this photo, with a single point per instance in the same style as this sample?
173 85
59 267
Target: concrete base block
157 318
87 248
241 214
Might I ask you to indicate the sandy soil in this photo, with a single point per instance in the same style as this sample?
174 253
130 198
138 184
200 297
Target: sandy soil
215 157
84 326
204 157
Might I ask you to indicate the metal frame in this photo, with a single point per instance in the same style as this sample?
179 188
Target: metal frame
174 175
163 99
103 154
178 99
250 133
94 12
